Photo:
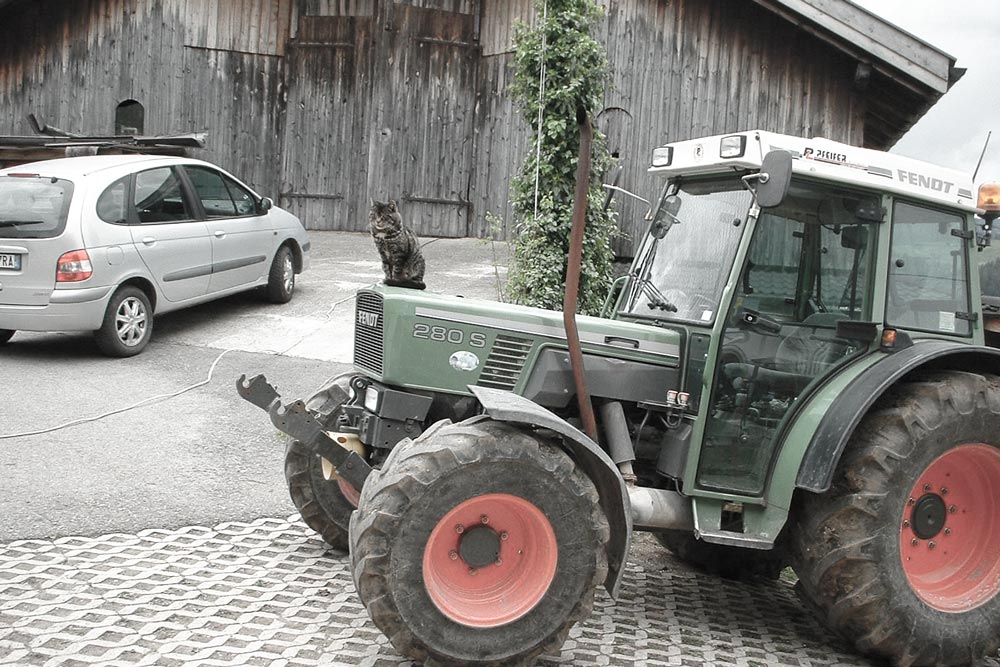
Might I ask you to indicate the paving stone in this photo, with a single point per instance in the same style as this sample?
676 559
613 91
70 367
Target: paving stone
269 593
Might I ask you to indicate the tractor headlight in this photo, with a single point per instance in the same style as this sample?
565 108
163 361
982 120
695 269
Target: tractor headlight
371 399
663 156
733 146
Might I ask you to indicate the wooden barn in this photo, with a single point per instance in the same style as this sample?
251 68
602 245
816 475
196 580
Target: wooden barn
323 104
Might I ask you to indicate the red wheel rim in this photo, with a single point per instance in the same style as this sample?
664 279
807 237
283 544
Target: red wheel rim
350 494
950 537
504 590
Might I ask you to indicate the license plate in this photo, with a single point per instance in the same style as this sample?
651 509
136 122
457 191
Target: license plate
10 262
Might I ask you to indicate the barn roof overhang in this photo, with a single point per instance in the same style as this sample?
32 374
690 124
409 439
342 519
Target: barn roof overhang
900 75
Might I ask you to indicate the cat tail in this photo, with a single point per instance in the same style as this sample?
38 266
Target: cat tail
411 284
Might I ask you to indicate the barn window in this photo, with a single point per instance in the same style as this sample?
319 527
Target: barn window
130 117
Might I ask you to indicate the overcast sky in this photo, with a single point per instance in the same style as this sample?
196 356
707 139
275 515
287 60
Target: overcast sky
953 132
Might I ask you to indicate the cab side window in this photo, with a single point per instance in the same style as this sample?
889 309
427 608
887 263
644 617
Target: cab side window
928 287
159 197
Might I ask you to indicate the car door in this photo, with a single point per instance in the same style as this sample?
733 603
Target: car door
173 244
242 238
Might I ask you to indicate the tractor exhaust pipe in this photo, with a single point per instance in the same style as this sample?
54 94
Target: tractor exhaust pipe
573 275
660 509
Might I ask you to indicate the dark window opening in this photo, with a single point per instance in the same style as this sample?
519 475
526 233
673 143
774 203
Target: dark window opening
130 118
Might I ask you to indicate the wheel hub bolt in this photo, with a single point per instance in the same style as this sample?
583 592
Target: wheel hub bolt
944 491
927 487
472 571
947 531
499 561
906 524
931 545
484 519
459 529
453 555
504 535
911 501
952 509
914 542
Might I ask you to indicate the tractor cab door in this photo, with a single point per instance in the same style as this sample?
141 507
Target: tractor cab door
808 266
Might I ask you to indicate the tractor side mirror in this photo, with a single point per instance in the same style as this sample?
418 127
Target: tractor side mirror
774 178
666 216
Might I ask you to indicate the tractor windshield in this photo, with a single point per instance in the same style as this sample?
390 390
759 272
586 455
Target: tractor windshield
687 255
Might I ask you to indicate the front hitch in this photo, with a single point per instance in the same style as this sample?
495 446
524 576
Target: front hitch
295 420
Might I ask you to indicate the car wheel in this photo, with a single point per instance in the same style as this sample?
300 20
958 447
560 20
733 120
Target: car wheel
6 335
281 277
128 323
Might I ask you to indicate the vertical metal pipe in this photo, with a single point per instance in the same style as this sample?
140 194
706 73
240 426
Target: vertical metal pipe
573 274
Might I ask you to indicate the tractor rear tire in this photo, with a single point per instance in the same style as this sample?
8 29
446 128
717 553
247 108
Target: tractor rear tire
901 556
324 505
478 543
721 560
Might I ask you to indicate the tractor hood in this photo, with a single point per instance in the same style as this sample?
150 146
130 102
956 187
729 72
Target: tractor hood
409 338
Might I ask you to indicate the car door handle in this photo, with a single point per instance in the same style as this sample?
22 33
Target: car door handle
220 234
149 240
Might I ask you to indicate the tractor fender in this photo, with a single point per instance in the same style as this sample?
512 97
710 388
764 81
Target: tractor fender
850 406
595 463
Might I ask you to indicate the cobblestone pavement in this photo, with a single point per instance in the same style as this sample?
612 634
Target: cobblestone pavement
268 593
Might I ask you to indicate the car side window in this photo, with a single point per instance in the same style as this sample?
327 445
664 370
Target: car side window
212 192
112 205
246 203
159 198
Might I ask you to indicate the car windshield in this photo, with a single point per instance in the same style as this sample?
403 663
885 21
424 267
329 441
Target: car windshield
32 207
687 255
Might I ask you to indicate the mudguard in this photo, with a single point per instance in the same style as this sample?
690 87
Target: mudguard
598 466
850 406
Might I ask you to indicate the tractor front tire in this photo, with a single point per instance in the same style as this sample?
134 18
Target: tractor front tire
902 555
324 505
478 543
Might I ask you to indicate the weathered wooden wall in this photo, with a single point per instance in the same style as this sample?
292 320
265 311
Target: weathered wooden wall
679 69
192 65
327 103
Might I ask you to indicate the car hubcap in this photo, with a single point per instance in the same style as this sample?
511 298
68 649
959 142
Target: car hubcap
288 274
490 560
950 536
131 321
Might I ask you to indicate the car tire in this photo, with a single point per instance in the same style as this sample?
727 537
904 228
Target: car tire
128 323
6 335
281 277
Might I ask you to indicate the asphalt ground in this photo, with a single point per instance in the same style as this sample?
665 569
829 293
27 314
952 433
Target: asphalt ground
162 534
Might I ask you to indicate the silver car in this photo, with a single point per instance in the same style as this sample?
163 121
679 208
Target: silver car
102 243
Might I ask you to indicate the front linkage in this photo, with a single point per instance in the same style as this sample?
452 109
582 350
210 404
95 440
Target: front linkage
295 420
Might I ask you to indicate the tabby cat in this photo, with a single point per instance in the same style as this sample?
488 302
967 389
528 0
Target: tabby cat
402 261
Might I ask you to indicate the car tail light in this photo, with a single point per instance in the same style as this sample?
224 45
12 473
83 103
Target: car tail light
73 267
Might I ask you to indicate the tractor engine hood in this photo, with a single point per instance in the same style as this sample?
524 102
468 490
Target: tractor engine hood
408 338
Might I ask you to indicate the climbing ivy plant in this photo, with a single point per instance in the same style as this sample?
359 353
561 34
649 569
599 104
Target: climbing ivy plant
574 76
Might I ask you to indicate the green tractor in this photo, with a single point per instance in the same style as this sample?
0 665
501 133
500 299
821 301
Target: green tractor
793 373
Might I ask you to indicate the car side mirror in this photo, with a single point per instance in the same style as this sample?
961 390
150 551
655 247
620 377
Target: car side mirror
266 203
774 179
